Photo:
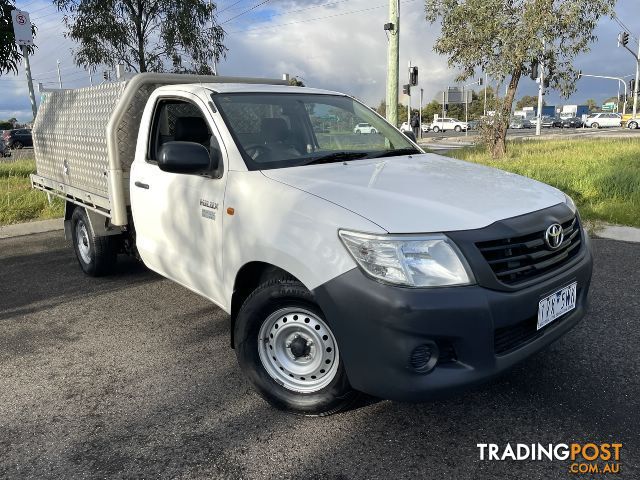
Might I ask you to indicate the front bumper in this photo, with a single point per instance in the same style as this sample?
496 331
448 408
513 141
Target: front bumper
378 327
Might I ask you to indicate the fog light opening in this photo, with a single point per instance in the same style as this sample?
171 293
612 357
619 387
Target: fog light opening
424 357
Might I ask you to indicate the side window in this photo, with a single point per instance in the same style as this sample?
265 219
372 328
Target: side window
179 121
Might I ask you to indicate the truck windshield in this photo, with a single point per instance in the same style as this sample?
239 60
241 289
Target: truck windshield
280 130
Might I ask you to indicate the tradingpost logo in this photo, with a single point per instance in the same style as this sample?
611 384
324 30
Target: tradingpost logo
583 458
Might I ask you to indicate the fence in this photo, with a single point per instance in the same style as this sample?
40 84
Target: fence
17 155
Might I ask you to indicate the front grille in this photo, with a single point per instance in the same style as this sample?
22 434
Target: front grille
509 338
517 259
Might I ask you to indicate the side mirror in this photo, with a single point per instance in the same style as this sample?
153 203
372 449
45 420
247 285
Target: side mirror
410 135
187 158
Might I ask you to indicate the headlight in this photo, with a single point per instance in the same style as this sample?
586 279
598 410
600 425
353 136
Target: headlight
413 261
570 203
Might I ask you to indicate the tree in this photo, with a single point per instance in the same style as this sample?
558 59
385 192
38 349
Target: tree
296 82
509 36
10 52
528 101
592 104
144 35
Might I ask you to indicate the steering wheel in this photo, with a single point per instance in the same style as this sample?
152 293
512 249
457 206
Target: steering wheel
256 151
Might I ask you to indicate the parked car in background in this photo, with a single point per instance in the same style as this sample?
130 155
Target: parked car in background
473 124
4 150
444 124
426 128
18 138
572 122
520 123
405 127
557 122
547 122
598 120
632 123
364 128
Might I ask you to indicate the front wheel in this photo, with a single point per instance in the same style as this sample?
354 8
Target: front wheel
633 125
595 125
289 352
458 128
17 145
436 129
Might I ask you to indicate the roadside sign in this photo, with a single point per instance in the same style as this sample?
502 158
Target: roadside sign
22 27
609 106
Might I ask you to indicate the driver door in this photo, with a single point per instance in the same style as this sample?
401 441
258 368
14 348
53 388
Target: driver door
178 217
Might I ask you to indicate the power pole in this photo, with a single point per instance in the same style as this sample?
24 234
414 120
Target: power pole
540 94
421 102
393 28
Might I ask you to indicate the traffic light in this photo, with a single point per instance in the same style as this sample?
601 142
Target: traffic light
546 82
105 75
632 85
534 69
406 89
624 38
413 76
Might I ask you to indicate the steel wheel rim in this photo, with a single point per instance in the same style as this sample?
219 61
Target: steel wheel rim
280 338
82 240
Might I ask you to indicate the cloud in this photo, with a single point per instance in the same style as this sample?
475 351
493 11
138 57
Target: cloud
334 44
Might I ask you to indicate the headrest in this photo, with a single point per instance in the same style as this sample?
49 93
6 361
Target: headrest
192 129
274 129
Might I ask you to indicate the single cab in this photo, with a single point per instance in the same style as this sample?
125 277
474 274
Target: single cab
347 263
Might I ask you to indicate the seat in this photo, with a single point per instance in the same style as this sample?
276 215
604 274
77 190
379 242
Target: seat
192 129
276 136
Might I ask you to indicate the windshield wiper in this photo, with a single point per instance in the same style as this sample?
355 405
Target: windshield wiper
397 153
337 157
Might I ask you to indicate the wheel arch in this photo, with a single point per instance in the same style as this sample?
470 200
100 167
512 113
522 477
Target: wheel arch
247 279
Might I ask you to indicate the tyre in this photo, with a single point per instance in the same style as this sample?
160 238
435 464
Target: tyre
17 145
288 351
458 128
436 129
632 125
358 132
97 256
595 125
374 131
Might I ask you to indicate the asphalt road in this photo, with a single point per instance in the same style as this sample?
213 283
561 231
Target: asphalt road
131 376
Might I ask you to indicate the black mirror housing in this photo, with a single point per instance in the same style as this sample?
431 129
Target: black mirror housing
410 135
186 158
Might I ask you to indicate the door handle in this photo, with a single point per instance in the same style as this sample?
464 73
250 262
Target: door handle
142 185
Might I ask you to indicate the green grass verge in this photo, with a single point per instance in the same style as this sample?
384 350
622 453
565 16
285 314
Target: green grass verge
18 201
602 175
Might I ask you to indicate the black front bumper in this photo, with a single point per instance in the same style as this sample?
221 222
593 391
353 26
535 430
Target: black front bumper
481 331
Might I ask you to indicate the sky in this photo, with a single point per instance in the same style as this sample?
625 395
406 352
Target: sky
333 44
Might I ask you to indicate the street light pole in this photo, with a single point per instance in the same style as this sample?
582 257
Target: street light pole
620 80
540 95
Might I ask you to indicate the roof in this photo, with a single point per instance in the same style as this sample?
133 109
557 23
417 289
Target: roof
254 88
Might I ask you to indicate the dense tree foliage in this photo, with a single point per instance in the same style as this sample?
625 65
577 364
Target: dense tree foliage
505 38
145 35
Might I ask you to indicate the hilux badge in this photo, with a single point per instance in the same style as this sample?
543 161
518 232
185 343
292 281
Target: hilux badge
554 236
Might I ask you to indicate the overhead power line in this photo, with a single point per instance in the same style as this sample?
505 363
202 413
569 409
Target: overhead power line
246 11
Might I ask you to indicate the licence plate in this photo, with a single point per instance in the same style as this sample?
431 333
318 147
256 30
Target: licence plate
557 304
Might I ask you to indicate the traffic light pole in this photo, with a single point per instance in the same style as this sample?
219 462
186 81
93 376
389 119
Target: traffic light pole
617 79
393 62
409 100
540 95
635 90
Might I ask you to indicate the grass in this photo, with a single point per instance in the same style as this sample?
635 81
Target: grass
601 175
18 201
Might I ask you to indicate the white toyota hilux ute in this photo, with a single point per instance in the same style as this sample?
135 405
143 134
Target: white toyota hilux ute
347 263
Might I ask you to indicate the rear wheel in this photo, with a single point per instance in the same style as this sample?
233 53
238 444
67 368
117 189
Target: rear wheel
17 145
97 256
458 128
633 125
289 352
